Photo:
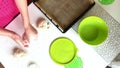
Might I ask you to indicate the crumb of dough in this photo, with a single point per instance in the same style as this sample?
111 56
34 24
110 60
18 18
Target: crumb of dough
32 65
18 52
42 24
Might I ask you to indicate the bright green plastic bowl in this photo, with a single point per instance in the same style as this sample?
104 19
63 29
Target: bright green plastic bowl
106 2
93 30
76 63
62 50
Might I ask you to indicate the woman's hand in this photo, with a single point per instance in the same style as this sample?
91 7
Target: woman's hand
30 33
17 38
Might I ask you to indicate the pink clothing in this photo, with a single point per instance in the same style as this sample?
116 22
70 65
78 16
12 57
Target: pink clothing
8 10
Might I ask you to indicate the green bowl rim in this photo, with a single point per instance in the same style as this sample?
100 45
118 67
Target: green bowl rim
75 52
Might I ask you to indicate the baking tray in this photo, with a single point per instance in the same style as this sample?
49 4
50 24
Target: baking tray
64 13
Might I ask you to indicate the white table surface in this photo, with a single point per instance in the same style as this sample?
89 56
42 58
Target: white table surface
38 50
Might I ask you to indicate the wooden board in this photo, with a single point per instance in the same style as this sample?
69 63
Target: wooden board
64 13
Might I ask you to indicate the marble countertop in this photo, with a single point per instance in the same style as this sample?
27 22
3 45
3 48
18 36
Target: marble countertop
110 13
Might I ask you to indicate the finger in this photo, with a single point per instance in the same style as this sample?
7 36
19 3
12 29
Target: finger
25 40
20 42
26 43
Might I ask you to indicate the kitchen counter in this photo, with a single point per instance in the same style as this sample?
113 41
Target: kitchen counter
110 48
112 9
38 50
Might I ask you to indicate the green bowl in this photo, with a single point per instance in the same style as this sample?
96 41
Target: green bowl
106 2
62 50
76 63
93 30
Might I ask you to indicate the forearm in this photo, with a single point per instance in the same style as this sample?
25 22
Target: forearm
5 32
22 6
11 34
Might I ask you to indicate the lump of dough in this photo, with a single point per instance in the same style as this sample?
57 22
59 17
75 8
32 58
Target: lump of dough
42 23
18 52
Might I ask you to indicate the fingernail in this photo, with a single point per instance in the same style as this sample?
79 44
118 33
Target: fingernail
26 41
26 46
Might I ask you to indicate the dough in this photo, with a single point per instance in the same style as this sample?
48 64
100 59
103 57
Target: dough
18 52
33 65
42 24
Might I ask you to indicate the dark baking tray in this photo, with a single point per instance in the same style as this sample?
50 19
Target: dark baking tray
64 13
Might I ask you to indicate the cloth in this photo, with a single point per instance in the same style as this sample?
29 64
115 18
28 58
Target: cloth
8 10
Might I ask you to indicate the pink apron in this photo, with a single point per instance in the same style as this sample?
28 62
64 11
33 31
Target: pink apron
8 11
